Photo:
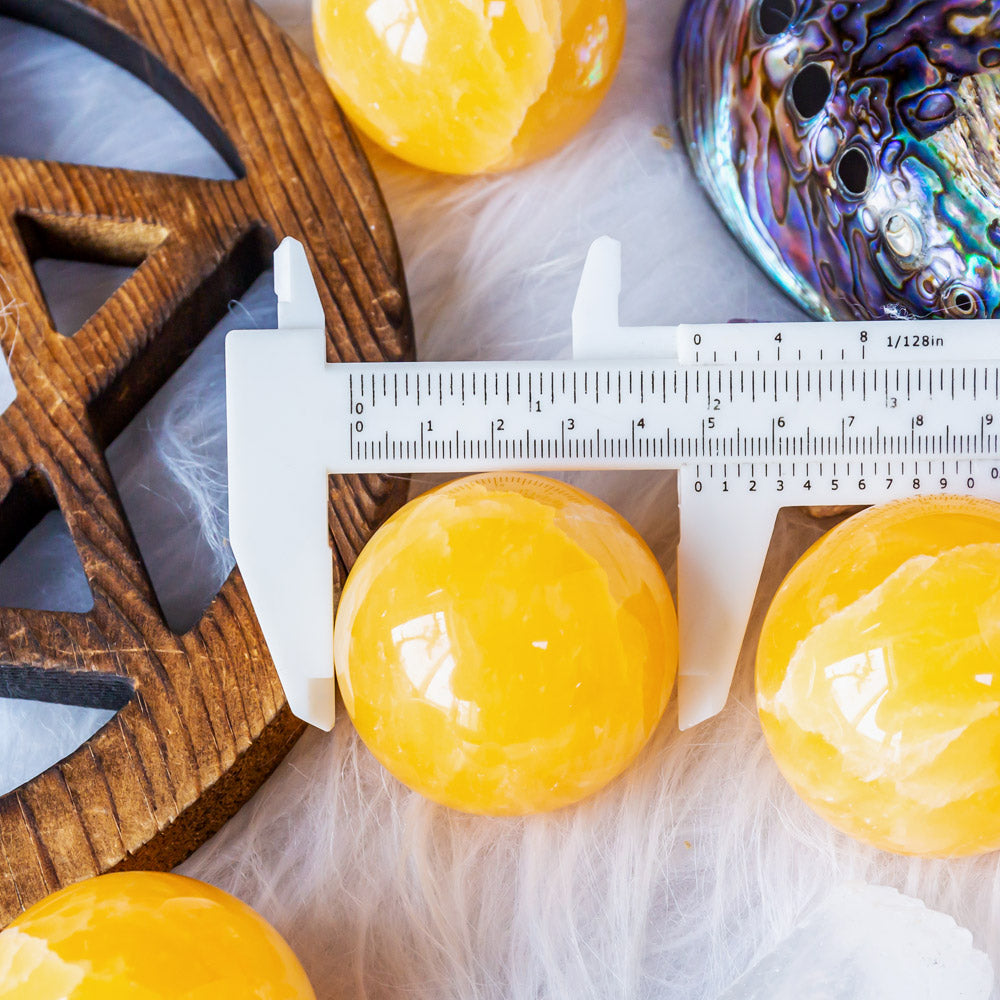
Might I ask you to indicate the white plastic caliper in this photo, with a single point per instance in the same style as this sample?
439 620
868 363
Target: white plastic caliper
754 417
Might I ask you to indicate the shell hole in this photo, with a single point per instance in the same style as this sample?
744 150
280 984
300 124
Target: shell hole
811 90
960 302
774 16
902 236
854 171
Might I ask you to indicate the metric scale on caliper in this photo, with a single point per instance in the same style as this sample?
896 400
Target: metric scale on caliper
754 417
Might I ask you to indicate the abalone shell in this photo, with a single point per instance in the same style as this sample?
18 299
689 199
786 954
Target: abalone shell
853 148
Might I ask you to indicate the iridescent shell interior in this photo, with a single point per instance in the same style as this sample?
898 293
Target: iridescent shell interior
853 148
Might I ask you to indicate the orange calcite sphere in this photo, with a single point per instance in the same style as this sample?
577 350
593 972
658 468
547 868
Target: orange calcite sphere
465 87
146 936
506 644
878 676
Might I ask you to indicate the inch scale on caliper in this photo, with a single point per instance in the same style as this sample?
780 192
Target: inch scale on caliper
753 417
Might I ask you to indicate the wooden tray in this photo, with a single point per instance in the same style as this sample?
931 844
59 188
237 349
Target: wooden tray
202 719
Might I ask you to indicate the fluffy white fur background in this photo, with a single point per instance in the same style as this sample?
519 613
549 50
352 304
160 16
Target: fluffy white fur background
700 858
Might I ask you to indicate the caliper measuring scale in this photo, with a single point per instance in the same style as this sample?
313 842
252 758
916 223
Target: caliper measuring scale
753 417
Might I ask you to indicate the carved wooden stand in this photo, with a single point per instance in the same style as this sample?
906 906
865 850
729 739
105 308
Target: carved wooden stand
202 720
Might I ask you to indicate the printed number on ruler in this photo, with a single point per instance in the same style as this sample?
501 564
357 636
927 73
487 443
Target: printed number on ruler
823 483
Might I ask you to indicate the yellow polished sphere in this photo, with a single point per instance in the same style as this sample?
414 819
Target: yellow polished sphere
506 644
146 936
878 676
465 86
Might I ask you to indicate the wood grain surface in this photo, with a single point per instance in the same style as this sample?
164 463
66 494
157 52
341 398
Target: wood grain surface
202 718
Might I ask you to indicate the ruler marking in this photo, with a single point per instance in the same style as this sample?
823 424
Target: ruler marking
944 396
